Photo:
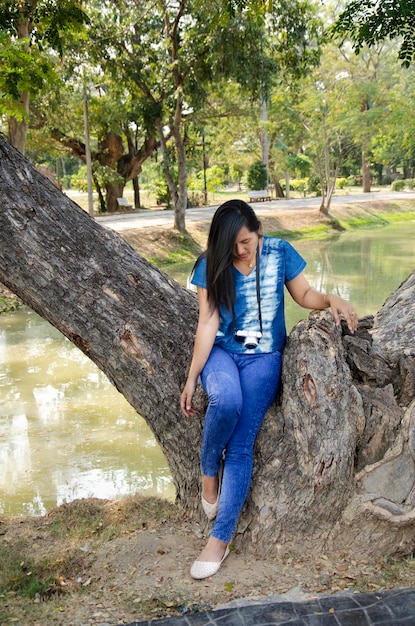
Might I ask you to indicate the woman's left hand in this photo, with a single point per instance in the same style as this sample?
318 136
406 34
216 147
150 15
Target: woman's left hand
304 295
342 308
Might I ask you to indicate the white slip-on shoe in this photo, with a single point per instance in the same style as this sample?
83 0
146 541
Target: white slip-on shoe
211 509
205 569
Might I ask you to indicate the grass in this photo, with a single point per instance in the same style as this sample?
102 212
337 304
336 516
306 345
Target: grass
377 214
320 231
174 248
389 572
31 576
100 520
10 304
23 576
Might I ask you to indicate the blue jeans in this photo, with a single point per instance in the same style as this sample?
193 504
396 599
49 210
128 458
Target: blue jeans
240 388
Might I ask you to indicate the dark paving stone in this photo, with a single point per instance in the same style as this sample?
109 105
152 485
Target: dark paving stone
385 608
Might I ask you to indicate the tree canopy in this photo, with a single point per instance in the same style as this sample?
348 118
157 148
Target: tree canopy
31 32
371 21
203 90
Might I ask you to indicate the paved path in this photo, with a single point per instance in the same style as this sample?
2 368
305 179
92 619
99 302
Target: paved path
385 608
144 218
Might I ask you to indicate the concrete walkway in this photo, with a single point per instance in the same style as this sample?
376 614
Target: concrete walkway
383 608
145 218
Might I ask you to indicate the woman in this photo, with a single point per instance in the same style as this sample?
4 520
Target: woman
237 356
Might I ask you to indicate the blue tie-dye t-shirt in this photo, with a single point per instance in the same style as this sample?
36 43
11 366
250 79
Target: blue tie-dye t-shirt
279 263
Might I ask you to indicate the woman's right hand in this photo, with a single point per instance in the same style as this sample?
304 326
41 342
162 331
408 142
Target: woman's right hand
186 399
207 328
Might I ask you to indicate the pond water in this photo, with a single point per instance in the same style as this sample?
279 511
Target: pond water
66 433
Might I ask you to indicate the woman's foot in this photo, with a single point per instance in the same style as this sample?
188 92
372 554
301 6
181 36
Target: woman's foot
211 496
213 550
210 559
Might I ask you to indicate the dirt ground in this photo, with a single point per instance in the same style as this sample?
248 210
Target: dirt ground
124 561
101 562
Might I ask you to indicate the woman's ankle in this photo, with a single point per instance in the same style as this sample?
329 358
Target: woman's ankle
213 550
210 488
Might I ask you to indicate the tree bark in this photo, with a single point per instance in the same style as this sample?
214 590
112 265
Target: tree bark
335 457
18 128
366 177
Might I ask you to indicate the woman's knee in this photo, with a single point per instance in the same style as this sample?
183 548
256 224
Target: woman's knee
224 392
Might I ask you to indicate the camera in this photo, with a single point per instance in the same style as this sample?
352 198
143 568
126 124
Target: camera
250 338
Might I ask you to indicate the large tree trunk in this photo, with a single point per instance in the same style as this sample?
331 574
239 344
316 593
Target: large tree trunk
334 466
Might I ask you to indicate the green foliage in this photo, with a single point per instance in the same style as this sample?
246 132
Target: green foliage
102 174
314 185
215 179
22 69
300 163
371 21
351 181
398 185
79 180
161 191
257 177
300 185
105 176
30 35
297 36
307 185
51 23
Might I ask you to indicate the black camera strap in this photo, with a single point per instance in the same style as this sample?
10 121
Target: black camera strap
258 293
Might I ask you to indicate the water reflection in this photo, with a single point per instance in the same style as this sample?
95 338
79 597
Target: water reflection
66 433
364 267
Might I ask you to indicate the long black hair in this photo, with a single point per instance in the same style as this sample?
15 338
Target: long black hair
227 221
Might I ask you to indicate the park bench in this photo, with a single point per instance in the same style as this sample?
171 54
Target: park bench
259 195
124 204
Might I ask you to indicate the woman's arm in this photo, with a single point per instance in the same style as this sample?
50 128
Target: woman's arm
207 328
309 298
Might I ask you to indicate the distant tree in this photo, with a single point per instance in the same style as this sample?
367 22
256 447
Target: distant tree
120 143
193 45
29 30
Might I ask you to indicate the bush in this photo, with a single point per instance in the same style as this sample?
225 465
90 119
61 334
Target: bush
309 185
410 183
257 177
196 198
314 185
300 185
79 180
341 183
398 185
162 193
